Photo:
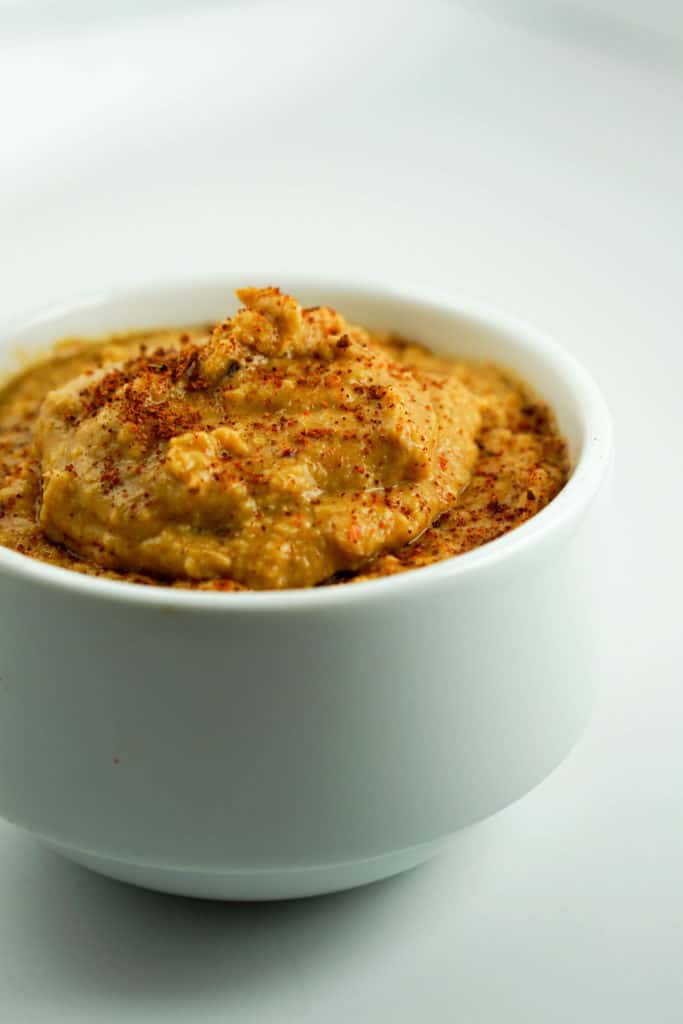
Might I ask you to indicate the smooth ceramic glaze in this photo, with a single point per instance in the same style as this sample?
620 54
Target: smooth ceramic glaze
268 745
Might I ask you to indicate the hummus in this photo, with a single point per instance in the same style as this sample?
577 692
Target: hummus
282 448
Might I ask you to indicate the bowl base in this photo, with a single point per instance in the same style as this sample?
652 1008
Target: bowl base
260 884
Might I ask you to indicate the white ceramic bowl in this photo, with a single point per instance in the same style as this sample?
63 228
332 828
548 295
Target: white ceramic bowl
267 745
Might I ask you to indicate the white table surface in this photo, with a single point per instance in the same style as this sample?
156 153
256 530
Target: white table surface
533 162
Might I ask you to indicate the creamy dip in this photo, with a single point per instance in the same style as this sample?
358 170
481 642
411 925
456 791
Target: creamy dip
281 448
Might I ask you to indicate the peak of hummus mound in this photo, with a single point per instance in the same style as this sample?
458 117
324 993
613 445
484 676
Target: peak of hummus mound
289 446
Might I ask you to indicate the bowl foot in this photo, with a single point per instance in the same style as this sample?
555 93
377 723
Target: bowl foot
255 884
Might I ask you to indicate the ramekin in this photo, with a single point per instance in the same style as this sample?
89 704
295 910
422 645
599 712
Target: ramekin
269 745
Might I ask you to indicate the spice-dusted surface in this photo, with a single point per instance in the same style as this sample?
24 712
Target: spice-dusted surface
282 448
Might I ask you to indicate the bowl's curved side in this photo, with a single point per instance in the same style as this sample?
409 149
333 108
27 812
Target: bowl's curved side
174 738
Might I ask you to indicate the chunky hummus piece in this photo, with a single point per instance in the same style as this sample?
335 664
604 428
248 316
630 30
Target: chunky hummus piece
289 447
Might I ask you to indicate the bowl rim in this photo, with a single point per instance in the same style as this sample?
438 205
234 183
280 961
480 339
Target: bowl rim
575 497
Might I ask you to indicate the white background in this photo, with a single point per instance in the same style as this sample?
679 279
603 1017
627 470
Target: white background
529 154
